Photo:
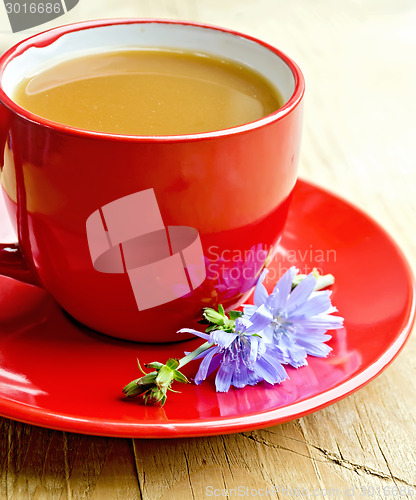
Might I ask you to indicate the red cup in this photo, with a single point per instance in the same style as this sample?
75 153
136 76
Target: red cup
133 235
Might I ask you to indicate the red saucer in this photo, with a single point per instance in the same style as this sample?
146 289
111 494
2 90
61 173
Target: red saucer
57 374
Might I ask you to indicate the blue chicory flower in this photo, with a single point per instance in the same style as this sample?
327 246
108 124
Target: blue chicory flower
281 328
243 357
300 317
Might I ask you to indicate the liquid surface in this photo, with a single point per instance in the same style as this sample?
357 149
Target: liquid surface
149 92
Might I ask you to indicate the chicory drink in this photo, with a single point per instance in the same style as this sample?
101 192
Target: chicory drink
149 92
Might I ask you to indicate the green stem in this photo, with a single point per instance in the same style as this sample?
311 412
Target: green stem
192 355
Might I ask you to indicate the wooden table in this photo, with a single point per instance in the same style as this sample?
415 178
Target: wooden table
359 59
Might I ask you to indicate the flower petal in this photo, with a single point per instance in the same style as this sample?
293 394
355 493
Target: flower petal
194 332
317 349
270 371
260 319
215 363
296 355
316 346
249 310
301 293
275 353
267 334
202 372
222 338
224 376
199 356
321 321
240 377
283 288
253 378
260 292
316 305
254 347
242 323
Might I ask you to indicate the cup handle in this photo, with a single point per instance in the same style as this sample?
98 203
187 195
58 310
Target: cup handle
13 265
12 262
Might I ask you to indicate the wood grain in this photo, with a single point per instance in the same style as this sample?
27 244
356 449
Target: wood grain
360 141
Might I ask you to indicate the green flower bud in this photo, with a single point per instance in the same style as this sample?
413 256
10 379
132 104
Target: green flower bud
155 395
153 386
134 389
164 377
213 316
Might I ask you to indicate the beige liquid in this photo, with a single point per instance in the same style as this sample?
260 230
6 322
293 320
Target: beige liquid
149 92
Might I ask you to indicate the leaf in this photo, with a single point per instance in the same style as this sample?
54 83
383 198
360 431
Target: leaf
235 314
132 390
171 390
180 377
147 379
172 363
164 377
155 365
213 316
221 310
212 327
140 368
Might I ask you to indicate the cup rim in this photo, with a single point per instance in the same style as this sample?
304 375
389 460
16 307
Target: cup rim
49 36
